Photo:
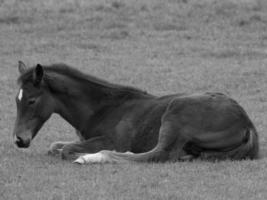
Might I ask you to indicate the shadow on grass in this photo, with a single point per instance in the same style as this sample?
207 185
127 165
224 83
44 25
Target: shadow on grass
15 20
234 53
115 34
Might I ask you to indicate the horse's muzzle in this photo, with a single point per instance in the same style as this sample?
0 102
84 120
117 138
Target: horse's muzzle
22 143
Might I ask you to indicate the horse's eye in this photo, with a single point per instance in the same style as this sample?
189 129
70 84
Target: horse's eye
31 101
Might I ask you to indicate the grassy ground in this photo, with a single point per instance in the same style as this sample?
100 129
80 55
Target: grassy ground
162 46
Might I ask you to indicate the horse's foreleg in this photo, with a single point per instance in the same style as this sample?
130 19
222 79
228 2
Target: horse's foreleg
169 147
93 145
57 147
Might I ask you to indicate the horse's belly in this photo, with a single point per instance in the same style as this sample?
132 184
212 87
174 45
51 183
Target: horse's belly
145 140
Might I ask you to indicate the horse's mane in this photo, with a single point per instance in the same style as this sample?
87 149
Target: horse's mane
70 72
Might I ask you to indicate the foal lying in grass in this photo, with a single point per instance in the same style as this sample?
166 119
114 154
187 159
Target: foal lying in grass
117 123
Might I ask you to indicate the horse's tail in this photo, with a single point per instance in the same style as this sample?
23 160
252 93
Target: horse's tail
252 144
248 149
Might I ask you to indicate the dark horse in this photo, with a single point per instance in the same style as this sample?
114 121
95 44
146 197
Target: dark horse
123 124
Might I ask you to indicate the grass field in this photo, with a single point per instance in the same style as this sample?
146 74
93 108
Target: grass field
162 46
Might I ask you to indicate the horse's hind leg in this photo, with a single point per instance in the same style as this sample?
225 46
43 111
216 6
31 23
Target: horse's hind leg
171 141
179 154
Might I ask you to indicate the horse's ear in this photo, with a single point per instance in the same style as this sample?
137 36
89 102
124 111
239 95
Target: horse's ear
38 74
22 67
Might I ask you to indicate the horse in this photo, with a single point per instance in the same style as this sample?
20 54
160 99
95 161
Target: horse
116 123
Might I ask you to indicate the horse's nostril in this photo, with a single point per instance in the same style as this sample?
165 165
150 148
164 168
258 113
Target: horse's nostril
20 143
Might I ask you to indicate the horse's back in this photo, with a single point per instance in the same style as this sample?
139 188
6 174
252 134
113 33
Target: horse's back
207 112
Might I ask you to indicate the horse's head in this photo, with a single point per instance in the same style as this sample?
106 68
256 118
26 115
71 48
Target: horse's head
35 104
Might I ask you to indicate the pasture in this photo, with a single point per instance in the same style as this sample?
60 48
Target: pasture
161 46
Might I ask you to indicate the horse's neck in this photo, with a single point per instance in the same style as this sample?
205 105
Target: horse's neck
73 111
77 102
77 109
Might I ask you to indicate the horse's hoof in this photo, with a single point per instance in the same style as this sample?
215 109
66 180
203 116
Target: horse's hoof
186 158
66 155
79 160
54 152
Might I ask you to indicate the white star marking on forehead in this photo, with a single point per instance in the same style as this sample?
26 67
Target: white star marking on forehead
20 94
